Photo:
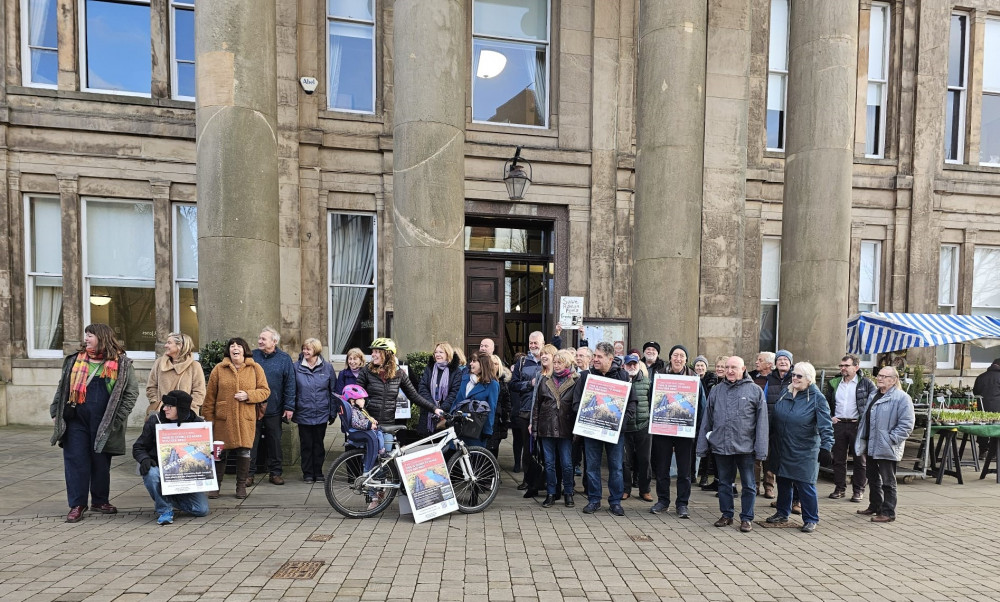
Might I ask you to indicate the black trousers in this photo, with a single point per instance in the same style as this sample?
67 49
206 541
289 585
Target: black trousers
270 428
844 434
519 431
662 449
313 450
636 465
882 477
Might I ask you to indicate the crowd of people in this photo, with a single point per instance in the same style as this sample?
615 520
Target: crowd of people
774 426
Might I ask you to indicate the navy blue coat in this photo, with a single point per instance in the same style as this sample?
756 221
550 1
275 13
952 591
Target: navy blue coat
800 426
314 388
489 393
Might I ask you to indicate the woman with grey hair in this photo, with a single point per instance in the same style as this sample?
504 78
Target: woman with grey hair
801 436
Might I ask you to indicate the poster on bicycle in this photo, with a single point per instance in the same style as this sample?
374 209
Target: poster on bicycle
428 486
673 405
602 408
184 453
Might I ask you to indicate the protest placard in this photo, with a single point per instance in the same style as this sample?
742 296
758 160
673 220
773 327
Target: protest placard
602 408
402 403
674 405
571 312
184 453
428 486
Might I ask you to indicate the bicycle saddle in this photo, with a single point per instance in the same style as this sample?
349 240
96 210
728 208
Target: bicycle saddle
392 428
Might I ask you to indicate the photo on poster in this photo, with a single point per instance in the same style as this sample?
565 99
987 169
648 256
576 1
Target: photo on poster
602 408
428 486
184 455
674 405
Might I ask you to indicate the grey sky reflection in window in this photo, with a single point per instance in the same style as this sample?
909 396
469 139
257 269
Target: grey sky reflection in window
119 55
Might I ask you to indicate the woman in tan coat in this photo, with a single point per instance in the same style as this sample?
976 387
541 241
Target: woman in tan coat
176 370
235 388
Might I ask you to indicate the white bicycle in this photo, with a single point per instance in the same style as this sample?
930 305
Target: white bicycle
474 473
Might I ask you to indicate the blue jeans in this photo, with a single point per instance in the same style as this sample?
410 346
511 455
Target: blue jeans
727 466
807 497
563 450
195 504
592 449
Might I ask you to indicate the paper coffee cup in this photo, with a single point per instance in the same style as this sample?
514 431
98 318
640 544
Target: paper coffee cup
217 450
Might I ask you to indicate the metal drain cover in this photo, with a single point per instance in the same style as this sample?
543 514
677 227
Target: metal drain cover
298 569
640 538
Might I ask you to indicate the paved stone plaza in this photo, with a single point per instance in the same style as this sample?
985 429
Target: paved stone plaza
942 547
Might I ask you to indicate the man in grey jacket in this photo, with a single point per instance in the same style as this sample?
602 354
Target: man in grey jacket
735 430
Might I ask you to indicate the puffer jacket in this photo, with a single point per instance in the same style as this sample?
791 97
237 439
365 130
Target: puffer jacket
382 394
426 387
988 385
552 413
776 387
641 385
862 392
111 432
314 387
891 423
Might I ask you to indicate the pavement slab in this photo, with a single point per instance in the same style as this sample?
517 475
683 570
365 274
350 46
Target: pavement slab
938 548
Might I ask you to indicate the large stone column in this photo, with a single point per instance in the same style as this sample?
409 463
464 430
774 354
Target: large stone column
238 270
670 135
819 159
430 74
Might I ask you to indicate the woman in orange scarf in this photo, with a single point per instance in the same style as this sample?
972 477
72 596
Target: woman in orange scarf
95 396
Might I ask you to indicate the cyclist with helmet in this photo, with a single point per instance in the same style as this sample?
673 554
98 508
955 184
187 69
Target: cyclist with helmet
383 380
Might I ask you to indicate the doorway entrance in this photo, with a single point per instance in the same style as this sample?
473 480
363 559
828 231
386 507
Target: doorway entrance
508 282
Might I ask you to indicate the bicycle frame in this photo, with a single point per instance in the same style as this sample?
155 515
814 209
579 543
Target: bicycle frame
438 440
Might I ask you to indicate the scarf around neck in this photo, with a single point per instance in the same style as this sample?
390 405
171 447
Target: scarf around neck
81 372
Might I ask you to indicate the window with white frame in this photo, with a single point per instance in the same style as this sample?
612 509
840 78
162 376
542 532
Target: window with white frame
182 49
118 269
985 296
770 280
115 54
958 55
989 139
39 44
43 253
947 298
510 62
869 275
350 55
185 247
777 75
353 277
879 35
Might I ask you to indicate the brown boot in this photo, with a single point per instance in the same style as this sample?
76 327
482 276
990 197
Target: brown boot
242 470
220 471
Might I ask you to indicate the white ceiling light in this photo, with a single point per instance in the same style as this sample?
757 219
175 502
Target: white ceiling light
491 64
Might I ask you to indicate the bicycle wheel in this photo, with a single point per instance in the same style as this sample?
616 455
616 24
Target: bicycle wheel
480 489
352 498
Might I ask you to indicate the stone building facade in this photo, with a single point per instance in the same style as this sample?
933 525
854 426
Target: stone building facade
726 174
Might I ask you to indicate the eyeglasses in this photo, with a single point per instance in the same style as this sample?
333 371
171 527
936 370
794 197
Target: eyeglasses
884 376
794 375
844 365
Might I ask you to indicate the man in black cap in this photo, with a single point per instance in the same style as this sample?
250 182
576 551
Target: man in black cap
176 410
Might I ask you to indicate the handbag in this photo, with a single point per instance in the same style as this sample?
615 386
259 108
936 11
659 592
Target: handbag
472 427
261 409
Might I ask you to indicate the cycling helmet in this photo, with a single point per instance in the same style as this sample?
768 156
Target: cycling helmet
385 344
354 392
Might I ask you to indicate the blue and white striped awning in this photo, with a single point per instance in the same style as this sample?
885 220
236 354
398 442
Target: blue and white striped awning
884 332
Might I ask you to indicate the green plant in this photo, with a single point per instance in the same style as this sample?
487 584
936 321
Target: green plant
210 355
416 363
917 388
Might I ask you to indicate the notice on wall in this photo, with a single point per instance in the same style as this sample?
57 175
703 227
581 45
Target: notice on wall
602 408
184 453
428 485
402 403
571 312
674 405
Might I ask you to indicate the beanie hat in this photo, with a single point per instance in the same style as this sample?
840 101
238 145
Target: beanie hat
675 348
700 358
652 344
783 353
181 401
